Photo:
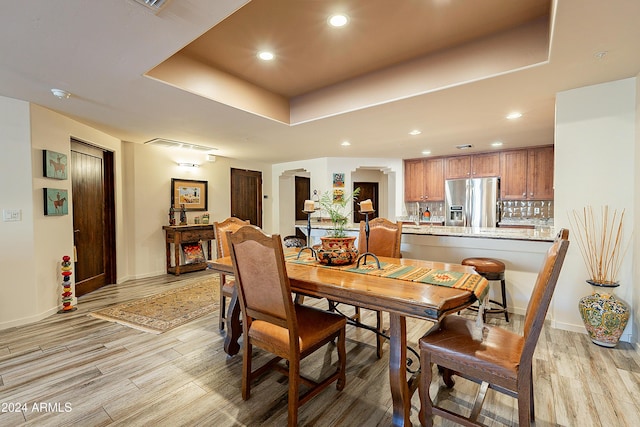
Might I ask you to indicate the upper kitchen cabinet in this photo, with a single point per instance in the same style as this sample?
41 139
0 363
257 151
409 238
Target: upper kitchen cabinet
527 174
472 166
424 180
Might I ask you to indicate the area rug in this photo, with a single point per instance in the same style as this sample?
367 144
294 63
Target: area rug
162 312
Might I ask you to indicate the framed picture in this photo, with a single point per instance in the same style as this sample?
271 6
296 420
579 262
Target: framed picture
56 201
190 193
338 195
193 253
54 165
338 180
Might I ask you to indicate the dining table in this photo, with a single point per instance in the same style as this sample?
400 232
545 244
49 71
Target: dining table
393 293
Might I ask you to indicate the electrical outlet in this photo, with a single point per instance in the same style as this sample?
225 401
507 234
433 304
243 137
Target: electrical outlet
11 215
536 211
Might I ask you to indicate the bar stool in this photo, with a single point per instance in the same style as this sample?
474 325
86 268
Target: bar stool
491 269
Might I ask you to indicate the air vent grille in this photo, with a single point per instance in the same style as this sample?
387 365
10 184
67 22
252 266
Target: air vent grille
168 143
154 5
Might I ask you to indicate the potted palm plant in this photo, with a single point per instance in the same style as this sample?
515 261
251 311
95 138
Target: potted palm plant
601 245
338 248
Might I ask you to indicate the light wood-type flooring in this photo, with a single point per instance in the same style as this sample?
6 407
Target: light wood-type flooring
73 369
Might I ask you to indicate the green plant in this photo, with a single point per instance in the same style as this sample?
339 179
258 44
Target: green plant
338 210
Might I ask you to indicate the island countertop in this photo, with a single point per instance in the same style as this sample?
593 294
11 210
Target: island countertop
542 234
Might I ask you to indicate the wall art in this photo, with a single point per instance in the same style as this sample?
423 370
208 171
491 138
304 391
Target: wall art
56 201
54 165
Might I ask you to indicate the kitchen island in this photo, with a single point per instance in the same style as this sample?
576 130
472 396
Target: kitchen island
522 250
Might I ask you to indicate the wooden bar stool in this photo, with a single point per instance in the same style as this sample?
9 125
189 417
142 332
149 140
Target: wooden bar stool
491 269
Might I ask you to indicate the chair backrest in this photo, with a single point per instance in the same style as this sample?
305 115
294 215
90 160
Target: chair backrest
261 277
542 293
384 237
220 232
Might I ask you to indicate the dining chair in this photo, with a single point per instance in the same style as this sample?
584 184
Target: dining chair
222 249
498 358
272 322
384 240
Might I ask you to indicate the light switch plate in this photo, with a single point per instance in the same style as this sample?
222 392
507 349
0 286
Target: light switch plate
11 215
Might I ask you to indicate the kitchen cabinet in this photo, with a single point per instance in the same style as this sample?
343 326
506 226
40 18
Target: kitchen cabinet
527 174
424 180
472 166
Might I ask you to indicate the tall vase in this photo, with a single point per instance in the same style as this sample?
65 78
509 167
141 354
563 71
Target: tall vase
604 315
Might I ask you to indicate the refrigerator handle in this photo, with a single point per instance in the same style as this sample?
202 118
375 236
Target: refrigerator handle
469 205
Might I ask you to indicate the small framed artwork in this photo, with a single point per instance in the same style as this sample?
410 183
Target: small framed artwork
56 201
191 194
193 253
338 195
54 165
338 180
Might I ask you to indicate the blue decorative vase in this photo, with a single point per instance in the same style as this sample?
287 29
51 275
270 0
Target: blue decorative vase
604 315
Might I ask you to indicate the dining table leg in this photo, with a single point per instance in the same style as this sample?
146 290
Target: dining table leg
400 390
234 326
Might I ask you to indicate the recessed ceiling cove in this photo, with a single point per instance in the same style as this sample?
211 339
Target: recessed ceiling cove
389 50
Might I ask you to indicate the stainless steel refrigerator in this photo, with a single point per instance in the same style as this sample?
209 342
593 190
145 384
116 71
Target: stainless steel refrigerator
472 202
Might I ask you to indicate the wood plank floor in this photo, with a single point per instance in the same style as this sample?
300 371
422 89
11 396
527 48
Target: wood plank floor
73 369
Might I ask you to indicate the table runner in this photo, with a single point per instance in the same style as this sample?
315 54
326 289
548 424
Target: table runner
432 276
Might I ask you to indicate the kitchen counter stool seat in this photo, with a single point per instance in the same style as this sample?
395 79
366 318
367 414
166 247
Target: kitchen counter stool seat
491 269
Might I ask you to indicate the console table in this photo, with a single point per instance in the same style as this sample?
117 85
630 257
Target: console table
179 234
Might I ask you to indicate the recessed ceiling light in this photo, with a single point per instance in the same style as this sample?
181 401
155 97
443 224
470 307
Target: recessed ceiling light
496 144
514 115
265 55
338 20
426 152
345 143
415 132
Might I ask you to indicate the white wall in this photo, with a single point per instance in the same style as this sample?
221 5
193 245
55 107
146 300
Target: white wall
20 301
595 164
40 241
321 173
149 172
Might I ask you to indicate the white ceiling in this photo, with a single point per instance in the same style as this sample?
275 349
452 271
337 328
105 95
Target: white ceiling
100 52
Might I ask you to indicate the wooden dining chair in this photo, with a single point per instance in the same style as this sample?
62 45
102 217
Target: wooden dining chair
272 322
384 240
222 248
499 359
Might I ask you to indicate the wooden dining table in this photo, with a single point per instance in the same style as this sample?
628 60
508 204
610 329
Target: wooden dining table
399 298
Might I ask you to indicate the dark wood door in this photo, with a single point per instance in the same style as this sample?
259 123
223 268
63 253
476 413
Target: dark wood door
368 190
93 217
302 193
246 195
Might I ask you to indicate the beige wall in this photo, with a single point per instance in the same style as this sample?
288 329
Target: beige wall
33 247
595 166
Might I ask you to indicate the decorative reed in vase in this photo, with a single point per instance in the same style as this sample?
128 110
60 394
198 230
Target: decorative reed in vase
601 247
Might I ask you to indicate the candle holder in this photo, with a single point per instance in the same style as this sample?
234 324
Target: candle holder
304 248
363 257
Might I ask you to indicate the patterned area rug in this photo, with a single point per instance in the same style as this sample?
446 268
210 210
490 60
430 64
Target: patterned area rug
167 310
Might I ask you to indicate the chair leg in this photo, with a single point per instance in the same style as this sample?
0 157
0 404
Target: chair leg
379 338
426 405
246 369
525 402
221 312
342 360
504 299
294 385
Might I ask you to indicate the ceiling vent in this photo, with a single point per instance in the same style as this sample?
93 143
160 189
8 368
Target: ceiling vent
168 143
154 5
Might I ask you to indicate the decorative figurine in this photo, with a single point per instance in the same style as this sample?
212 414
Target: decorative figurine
67 295
183 215
172 216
